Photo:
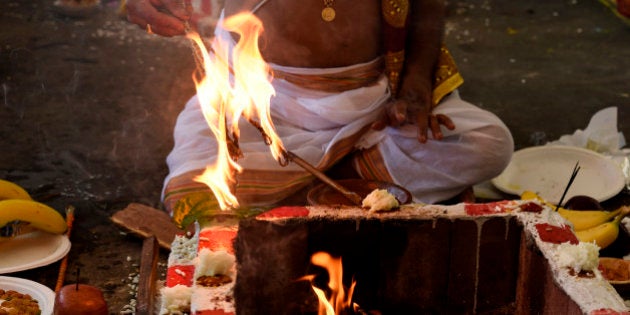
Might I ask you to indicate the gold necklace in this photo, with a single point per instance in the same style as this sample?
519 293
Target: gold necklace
328 13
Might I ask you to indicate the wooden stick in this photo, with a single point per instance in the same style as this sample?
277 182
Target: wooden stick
64 262
350 195
148 276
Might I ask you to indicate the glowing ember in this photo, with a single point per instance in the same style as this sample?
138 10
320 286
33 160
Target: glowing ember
338 301
235 83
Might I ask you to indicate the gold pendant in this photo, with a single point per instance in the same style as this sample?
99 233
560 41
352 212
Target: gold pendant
328 14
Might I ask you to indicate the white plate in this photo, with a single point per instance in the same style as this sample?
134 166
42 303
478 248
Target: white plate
546 170
32 250
45 297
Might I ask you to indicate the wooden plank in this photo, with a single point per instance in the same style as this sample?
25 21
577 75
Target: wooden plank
148 277
145 221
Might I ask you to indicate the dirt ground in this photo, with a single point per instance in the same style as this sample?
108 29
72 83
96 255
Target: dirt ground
89 103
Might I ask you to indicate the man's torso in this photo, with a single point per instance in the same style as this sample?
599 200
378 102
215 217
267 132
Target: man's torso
296 35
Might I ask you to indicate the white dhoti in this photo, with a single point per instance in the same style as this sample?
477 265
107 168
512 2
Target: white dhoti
321 127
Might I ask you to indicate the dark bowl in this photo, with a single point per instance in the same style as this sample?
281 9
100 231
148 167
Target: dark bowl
324 195
582 202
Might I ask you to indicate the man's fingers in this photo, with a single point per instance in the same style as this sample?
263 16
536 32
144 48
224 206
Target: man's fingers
445 121
435 127
181 9
398 113
148 17
168 30
423 124
157 28
433 124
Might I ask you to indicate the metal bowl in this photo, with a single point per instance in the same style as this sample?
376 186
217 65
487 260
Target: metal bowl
324 195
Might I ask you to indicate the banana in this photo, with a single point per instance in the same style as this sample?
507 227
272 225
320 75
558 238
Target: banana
586 219
530 195
39 215
580 219
9 190
604 234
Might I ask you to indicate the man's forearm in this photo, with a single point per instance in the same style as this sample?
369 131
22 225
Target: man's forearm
426 32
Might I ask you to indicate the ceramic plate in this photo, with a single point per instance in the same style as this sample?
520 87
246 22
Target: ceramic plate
546 170
45 297
32 250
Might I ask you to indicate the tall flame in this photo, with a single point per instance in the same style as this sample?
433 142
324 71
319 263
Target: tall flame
235 82
338 301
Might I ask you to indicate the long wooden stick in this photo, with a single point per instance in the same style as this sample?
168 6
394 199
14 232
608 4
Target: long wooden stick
64 262
148 276
350 195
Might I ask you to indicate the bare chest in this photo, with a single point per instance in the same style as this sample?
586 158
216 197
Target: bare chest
299 33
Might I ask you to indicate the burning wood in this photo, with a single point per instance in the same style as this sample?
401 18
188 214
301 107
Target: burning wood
339 302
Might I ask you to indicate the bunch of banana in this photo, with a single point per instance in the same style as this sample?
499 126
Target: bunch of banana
599 226
17 205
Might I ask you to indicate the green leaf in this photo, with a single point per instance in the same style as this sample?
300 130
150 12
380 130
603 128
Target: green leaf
202 206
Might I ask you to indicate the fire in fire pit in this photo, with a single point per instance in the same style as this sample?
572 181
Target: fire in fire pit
338 301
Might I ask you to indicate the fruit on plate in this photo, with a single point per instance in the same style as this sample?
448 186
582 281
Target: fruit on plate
599 226
580 219
39 215
615 269
14 302
80 299
604 234
586 219
10 190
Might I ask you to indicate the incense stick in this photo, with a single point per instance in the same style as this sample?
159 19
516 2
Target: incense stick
576 169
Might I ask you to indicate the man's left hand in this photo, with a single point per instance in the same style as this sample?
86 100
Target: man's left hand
414 106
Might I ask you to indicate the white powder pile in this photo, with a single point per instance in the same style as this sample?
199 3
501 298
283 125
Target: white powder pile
380 200
583 256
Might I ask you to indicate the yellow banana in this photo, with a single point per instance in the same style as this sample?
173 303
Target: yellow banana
530 195
586 219
580 219
9 190
39 215
604 234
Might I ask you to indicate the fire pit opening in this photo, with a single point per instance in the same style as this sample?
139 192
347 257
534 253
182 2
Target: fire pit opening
400 266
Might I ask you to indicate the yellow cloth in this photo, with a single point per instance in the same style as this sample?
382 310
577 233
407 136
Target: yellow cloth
446 77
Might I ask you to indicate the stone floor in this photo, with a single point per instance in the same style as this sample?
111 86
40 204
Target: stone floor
88 104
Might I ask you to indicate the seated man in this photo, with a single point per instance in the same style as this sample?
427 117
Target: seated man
340 92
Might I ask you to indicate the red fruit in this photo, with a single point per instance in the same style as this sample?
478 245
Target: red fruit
80 300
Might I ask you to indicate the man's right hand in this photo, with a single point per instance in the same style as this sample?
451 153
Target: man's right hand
162 17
